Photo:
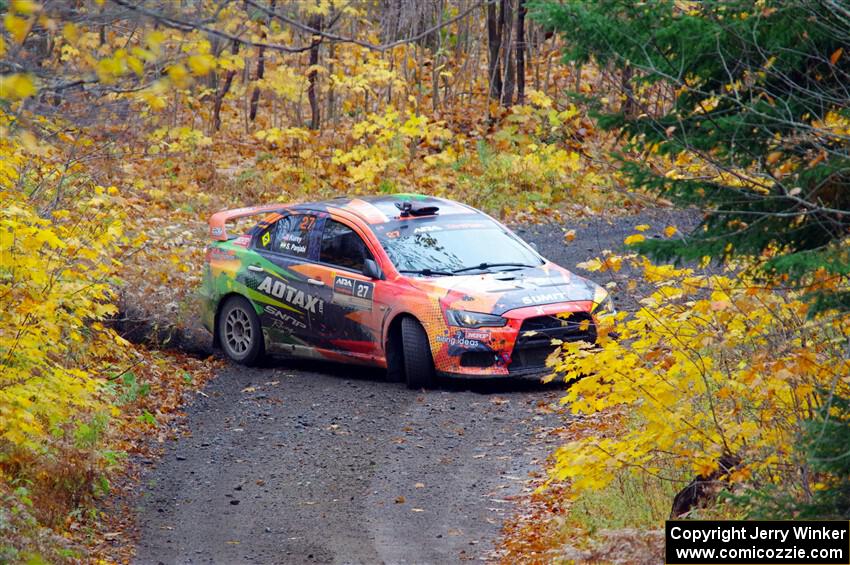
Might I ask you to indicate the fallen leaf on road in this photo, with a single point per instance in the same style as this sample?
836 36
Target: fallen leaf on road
416 510
419 485
399 500
249 389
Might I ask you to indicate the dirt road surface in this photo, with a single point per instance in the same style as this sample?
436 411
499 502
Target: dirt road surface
297 462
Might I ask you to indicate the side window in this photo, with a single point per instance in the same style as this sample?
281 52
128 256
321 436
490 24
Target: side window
290 235
342 247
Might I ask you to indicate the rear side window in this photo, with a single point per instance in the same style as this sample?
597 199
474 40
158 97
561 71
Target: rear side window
290 235
342 247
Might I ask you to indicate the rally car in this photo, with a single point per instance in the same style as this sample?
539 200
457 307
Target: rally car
422 286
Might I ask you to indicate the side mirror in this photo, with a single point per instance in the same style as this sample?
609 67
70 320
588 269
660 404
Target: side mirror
372 270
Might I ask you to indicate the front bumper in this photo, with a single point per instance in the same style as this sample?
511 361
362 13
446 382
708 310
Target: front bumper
520 348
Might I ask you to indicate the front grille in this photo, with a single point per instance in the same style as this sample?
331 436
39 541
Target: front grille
534 342
479 359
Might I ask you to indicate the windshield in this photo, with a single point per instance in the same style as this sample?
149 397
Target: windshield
450 246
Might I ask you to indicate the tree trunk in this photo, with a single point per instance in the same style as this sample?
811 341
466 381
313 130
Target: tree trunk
261 70
520 53
435 62
494 43
507 19
223 90
331 110
628 107
313 76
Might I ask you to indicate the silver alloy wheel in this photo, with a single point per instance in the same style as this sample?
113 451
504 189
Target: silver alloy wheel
238 334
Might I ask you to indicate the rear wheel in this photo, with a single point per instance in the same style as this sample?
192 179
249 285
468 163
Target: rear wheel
418 362
239 331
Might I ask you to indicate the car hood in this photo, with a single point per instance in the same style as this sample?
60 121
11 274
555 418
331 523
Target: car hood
499 292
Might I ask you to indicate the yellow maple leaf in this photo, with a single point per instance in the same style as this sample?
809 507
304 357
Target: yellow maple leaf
635 238
18 27
200 65
16 86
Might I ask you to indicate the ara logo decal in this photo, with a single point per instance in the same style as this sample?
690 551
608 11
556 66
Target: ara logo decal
290 294
353 293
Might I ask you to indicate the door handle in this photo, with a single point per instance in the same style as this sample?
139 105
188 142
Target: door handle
256 268
315 282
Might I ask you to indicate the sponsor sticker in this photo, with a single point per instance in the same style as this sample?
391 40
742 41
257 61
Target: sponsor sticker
283 320
542 298
353 293
459 340
477 335
292 295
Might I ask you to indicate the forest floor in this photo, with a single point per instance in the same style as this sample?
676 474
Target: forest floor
302 462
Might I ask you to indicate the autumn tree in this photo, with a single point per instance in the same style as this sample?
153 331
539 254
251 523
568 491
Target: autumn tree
742 108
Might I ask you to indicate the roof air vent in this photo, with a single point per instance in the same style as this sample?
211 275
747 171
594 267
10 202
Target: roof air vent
407 210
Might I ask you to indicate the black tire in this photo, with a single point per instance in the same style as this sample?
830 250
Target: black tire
418 361
239 331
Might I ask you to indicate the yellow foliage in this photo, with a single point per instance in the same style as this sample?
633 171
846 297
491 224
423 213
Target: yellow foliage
56 271
709 365
16 86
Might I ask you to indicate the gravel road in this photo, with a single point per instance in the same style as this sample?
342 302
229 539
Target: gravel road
299 462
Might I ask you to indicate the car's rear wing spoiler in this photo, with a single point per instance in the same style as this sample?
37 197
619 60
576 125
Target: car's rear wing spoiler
217 222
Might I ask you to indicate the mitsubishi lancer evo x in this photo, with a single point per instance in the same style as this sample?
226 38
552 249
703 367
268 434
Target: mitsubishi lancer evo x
422 286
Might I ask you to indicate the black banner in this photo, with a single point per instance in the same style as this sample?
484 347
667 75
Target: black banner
694 542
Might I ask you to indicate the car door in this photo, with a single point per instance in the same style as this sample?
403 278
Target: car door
352 318
289 300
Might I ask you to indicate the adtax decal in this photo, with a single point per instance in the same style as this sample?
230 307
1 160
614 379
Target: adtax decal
292 295
353 293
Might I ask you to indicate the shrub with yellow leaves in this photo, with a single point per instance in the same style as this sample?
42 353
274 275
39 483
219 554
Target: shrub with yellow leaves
708 366
59 236
55 279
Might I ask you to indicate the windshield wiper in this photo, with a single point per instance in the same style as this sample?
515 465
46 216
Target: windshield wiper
426 272
485 266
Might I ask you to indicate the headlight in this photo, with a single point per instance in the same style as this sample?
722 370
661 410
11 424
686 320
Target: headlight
474 319
602 303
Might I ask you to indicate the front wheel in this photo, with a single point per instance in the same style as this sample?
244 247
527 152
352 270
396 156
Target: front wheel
418 362
240 332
